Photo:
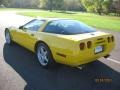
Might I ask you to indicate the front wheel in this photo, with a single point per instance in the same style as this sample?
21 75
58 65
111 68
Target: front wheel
44 56
8 37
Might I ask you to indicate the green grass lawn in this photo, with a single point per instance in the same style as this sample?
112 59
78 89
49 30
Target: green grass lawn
102 22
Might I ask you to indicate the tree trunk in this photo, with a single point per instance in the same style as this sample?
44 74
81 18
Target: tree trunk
51 5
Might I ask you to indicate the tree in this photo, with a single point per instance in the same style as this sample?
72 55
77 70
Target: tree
72 5
89 5
115 7
4 2
61 5
52 4
98 6
1 1
46 4
21 3
106 6
58 4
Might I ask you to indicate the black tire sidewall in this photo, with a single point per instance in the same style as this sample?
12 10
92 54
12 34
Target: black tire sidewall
7 31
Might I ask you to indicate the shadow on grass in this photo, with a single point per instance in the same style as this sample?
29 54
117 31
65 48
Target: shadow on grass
62 78
65 12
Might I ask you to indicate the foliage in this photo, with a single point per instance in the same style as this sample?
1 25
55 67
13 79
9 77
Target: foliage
21 3
95 6
52 4
73 5
98 6
106 6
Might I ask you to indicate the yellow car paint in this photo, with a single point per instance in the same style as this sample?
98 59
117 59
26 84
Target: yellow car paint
65 48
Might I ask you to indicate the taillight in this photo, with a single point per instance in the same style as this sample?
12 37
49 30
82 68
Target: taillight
82 46
112 38
108 39
89 44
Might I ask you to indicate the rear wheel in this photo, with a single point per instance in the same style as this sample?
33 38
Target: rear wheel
44 56
8 37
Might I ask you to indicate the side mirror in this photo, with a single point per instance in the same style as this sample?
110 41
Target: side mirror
21 27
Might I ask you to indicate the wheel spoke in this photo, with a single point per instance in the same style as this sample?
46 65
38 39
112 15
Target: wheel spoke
39 56
41 49
45 53
46 59
7 36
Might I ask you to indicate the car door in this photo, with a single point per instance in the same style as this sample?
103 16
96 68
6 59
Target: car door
27 37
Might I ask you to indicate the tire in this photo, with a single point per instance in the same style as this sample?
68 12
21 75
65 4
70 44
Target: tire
44 56
8 37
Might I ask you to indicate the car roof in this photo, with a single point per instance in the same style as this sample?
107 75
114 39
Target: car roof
52 19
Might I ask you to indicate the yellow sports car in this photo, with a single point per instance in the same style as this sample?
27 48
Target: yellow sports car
64 41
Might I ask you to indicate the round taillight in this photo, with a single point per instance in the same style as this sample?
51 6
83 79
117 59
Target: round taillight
82 46
108 39
112 38
89 44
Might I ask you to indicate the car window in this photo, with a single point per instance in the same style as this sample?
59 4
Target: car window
34 25
68 27
53 27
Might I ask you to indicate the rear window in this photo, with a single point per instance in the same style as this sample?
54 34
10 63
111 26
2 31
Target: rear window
68 27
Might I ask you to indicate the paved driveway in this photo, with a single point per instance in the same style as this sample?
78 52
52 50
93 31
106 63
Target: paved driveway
19 68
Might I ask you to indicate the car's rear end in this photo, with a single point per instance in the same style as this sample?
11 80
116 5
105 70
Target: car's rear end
89 47
74 43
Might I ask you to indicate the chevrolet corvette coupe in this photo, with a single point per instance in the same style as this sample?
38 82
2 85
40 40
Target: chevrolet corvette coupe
64 41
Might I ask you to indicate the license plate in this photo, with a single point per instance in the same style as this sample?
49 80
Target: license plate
98 49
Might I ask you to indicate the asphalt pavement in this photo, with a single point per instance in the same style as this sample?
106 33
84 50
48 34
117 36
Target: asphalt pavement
20 70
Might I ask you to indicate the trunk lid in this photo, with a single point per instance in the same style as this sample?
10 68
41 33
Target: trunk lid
79 37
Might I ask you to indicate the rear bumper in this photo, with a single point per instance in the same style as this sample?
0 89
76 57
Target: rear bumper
71 54
87 56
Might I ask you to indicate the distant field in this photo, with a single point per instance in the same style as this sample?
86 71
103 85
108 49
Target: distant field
102 22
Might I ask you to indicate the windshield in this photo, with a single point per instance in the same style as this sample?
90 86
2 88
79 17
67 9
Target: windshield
68 27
